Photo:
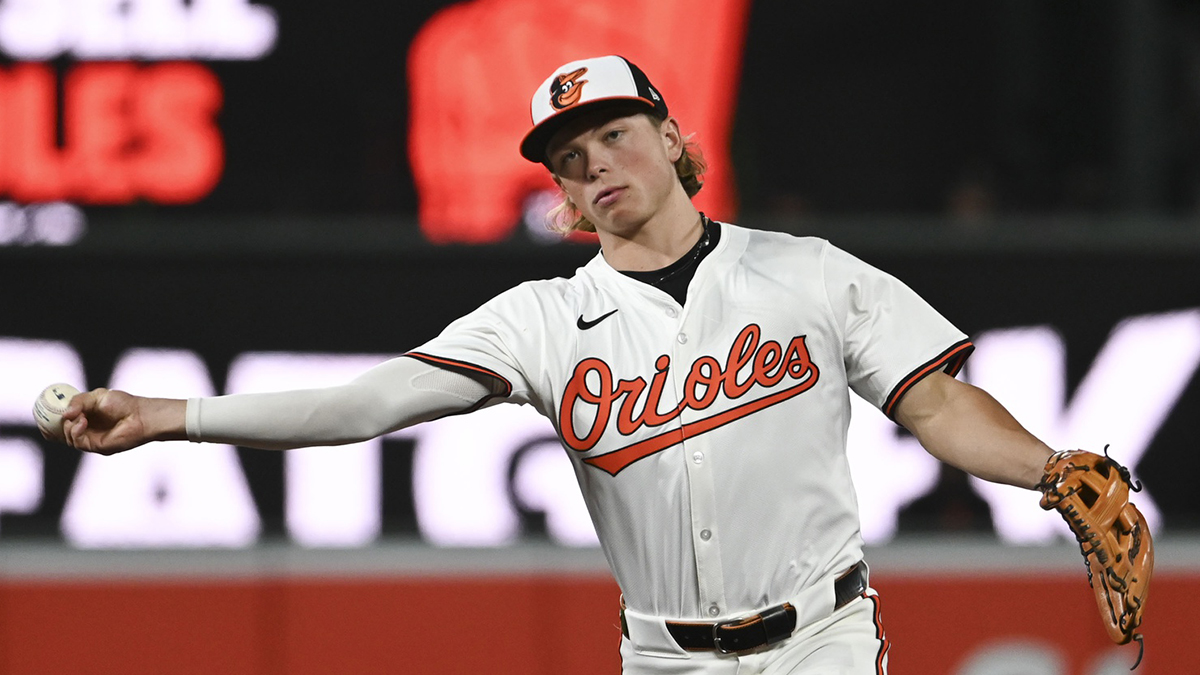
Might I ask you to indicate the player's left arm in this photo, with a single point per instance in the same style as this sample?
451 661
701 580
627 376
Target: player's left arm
965 427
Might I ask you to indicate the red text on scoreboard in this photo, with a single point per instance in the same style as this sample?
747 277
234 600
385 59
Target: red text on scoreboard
126 111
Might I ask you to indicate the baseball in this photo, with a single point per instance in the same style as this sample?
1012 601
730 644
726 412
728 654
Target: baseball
49 407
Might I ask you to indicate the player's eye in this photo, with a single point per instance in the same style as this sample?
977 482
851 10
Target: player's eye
614 134
565 158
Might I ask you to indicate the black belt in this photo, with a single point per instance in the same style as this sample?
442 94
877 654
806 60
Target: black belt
768 626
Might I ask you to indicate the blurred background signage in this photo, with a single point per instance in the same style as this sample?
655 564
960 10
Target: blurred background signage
110 103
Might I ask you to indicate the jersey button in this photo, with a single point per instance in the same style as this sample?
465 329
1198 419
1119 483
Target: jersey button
697 457
706 534
682 338
672 313
713 610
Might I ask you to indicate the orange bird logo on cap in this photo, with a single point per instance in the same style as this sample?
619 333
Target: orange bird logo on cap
566 89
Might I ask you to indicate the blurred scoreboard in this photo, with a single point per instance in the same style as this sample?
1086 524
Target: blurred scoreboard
113 103
214 107
110 102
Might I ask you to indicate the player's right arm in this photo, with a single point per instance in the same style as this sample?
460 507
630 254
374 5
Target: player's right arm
393 395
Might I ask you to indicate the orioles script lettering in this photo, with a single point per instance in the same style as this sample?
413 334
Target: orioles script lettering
635 403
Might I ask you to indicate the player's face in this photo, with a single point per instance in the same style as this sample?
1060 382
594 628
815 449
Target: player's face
617 167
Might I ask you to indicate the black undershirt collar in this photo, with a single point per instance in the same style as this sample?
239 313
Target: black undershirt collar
675 278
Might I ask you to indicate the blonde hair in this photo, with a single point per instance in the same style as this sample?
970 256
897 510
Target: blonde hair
690 167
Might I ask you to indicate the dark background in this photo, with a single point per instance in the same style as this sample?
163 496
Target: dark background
1017 163
858 106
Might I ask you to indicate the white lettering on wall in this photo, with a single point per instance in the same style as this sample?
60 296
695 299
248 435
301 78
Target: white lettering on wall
474 474
38 30
1131 387
333 494
29 366
873 443
544 481
1025 369
460 480
171 493
26 367
21 482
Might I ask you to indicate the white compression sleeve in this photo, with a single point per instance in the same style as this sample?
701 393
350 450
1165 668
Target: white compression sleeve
395 394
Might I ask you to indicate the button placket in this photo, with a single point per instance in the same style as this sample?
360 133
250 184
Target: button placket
685 346
701 490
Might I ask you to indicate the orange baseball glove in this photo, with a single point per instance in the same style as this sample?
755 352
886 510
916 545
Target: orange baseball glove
1091 492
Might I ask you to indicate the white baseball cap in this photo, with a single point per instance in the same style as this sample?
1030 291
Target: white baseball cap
579 86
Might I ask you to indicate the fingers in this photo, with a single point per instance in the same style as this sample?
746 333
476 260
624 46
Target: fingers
75 407
74 431
75 418
84 402
81 403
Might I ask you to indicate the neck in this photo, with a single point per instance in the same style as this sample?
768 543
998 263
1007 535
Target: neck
658 242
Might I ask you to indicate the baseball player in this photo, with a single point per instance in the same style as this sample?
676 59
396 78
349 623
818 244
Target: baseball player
698 374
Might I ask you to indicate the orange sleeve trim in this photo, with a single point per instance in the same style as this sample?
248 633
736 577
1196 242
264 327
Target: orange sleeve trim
950 361
453 364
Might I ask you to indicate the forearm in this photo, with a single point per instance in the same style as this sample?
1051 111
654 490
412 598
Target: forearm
965 427
393 395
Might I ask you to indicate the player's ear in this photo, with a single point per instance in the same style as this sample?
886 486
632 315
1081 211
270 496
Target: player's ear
672 138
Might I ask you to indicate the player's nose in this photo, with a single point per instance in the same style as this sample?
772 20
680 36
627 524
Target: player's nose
598 164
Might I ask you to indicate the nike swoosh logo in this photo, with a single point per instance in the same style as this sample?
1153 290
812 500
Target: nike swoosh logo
584 325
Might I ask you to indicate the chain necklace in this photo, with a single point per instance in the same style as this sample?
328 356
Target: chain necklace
691 257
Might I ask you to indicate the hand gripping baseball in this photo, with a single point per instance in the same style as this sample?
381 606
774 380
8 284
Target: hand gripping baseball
1091 492
106 422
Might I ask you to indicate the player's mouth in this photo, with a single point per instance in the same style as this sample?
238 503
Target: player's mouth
608 196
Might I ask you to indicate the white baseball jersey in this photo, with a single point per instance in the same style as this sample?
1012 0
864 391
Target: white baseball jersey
709 439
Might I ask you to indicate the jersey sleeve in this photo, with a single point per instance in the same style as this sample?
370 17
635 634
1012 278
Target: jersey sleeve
891 337
489 341
393 395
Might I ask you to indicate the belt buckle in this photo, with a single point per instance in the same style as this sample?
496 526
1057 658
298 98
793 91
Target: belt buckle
717 638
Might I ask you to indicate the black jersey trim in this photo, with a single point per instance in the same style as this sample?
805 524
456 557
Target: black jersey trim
949 361
466 368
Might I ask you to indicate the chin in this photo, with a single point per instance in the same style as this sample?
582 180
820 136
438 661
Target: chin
622 222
